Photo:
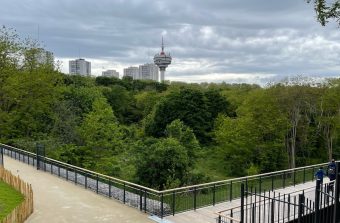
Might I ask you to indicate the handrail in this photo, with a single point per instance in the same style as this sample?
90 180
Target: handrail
263 196
174 189
85 170
228 217
243 178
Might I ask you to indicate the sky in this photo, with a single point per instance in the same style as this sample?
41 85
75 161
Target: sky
248 41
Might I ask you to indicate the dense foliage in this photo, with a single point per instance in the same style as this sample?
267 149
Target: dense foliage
158 134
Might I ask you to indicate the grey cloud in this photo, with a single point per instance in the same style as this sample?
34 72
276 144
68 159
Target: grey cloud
217 36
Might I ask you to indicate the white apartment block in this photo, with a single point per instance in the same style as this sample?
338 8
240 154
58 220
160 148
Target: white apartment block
131 72
80 66
110 73
148 72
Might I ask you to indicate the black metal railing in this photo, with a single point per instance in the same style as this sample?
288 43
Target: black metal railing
166 202
317 204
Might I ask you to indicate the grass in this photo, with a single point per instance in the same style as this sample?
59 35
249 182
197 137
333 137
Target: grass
9 199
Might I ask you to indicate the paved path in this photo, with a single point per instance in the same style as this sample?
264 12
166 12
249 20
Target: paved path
58 201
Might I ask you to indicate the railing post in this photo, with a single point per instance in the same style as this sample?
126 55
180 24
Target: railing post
294 178
253 213
219 218
75 176
214 194
140 200
85 174
301 207
272 182
260 185
272 210
124 193
242 203
304 175
317 201
97 183
231 191
162 205
336 215
145 194
173 203
284 180
109 188
195 198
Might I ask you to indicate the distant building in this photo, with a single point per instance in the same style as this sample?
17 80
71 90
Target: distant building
110 73
131 72
148 72
80 66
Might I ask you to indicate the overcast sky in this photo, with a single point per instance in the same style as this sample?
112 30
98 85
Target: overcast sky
253 41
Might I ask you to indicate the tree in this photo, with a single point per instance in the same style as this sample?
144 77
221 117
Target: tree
29 100
326 11
183 134
100 130
329 118
123 104
162 164
188 105
254 139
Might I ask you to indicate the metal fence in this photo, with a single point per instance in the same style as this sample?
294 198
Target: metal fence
317 204
166 202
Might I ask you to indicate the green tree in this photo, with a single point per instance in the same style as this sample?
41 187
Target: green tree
329 118
326 11
100 130
162 164
183 134
187 105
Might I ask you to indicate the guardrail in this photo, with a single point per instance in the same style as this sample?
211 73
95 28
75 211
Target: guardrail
166 202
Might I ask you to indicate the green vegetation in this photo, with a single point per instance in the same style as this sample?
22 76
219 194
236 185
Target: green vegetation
326 10
9 199
163 135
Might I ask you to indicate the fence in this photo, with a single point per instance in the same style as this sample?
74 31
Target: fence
317 204
166 202
25 209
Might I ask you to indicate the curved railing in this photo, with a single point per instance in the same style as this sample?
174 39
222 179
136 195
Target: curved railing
166 202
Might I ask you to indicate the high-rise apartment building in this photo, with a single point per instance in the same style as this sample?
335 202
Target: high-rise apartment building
131 72
80 66
148 72
110 73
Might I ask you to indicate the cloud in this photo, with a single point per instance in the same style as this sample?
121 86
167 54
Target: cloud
213 40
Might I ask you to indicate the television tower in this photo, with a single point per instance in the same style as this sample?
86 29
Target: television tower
162 60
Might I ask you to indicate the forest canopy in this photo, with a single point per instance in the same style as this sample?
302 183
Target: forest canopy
163 135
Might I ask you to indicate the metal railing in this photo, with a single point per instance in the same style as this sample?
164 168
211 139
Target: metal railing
316 204
166 202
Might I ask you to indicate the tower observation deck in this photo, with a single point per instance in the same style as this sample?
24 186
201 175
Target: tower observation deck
162 60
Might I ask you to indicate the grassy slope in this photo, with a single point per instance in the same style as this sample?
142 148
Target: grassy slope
210 162
9 199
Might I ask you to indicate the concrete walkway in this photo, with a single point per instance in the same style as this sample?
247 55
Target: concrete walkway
57 201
